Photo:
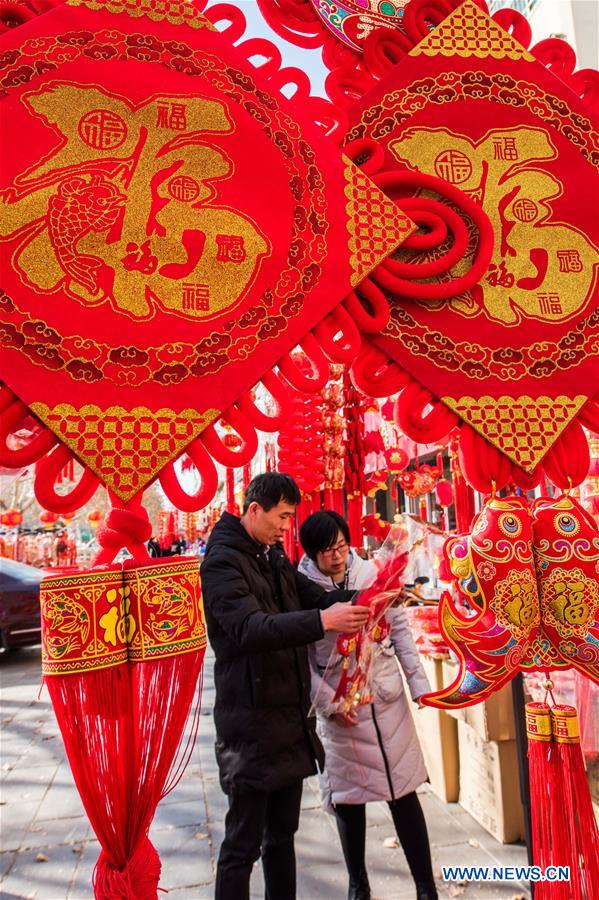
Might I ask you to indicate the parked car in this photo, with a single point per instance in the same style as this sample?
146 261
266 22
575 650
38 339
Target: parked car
19 604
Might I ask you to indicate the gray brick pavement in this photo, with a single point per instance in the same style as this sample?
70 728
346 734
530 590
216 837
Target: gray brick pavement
48 850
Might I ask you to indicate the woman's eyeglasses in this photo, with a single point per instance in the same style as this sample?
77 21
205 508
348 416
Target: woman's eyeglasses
337 550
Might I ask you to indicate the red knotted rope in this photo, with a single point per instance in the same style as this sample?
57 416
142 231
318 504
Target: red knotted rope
138 879
127 525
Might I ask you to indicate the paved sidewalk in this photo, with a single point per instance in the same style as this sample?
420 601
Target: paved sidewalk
48 849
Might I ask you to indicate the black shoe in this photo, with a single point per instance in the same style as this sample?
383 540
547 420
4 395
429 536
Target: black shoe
426 890
360 889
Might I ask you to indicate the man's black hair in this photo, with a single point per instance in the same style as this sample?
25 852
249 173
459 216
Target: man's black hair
271 488
321 530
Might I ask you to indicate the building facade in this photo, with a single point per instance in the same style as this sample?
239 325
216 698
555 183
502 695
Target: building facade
577 21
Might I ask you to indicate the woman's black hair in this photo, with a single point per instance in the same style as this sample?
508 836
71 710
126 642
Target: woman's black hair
320 531
269 489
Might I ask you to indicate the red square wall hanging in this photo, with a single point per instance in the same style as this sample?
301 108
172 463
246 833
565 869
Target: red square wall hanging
517 356
171 226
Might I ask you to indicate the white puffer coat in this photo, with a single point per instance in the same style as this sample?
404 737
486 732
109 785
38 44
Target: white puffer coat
380 757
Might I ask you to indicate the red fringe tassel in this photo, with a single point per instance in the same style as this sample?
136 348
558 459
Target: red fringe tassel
122 727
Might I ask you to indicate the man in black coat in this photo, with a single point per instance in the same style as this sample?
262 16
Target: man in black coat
261 613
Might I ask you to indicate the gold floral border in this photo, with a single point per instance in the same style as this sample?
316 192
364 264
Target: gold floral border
177 12
480 361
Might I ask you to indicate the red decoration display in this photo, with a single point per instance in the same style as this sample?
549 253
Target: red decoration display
397 459
566 549
351 21
94 517
356 648
418 481
444 492
373 525
300 444
174 228
333 445
48 519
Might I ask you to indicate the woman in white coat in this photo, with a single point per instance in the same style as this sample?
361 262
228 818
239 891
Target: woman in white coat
372 752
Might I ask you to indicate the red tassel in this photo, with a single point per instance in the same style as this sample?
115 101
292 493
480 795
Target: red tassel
581 836
122 651
138 879
463 494
547 809
333 499
230 491
354 519
338 501
289 543
564 829
142 707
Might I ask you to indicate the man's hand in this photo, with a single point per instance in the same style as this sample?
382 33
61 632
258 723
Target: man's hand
344 617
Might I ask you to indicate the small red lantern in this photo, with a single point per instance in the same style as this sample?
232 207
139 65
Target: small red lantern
94 518
397 459
444 492
47 518
231 440
12 518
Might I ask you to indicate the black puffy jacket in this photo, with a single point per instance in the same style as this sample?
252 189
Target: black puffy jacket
261 613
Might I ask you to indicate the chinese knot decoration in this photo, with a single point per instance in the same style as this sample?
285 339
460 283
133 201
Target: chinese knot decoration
333 428
419 481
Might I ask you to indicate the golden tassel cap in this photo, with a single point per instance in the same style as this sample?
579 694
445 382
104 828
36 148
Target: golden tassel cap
538 722
564 721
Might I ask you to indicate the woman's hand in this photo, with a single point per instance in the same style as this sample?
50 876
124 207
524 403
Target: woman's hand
402 596
346 719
